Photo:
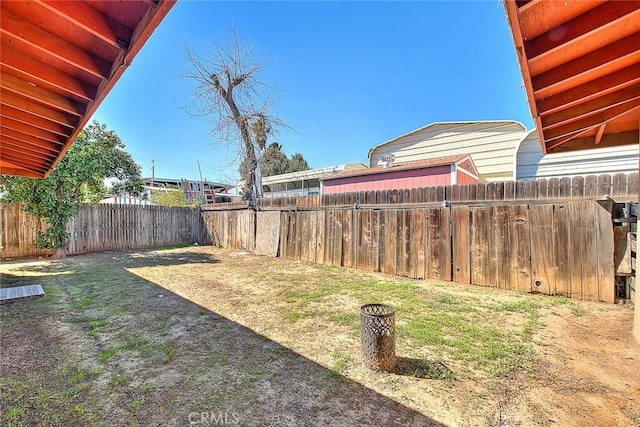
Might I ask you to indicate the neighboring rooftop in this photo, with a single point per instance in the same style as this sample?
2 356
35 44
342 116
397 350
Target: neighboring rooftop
422 164
311 174
218 186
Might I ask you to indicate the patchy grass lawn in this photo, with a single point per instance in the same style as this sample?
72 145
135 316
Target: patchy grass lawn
201 335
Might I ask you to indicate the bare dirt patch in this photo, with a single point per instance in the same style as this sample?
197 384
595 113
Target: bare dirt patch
169 337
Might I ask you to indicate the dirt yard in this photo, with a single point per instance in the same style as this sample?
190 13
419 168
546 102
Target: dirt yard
204 336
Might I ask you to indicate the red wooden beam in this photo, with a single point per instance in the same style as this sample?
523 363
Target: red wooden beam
596 25
20 143
31 140
40 95
44 74
7 168
45 140
28 106
11 145
91 20
9 113
512 14
55 46
599 63
579 128
145 28
588 91
600 133
36 167
538 16
36 132
592 107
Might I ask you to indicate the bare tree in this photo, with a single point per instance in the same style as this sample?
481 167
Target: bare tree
228 91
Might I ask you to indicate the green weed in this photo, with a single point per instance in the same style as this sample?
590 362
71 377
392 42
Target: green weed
108 354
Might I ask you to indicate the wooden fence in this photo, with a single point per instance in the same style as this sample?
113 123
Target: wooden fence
622 187
564 248
230 229
552 247
103 227
18 232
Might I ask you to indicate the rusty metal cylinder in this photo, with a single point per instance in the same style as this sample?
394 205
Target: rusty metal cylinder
378 336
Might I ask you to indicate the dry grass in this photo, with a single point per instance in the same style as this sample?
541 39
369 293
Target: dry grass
154 337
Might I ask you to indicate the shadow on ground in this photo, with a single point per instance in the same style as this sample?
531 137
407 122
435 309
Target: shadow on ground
420 368
174 362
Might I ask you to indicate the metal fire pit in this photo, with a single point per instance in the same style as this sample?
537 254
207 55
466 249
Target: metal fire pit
378 340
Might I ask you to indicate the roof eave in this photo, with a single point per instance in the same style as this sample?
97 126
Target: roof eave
143 31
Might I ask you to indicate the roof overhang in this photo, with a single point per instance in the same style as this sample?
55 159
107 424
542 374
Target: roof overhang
580 60
421 164
59 60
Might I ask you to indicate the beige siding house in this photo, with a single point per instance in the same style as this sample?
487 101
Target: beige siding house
530 163
491 144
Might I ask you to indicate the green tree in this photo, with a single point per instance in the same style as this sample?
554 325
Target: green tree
276 162
297 163
96 154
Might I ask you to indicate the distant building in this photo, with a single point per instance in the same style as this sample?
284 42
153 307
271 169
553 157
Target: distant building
304 183
206 192
531 163
125 199
491 145
426 173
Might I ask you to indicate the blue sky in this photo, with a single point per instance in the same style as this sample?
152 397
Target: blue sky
347 75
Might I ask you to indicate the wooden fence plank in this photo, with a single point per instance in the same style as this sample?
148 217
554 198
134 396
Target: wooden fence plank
502 247
605 247
590 254
321 223
376 246
403 244
619 185
564 187
577 187
461 249
563 249
304 235
519 247
362 220
434 244
417 244
312 249
389 241
347 239
284 233
590 186
509 190
480 220
632 184
542 251
604 185
336 255
445 239
531 188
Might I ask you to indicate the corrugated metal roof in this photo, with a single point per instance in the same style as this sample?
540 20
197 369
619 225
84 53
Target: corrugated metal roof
318 173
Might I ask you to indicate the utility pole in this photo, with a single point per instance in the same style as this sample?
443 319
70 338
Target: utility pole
203 196
153 170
